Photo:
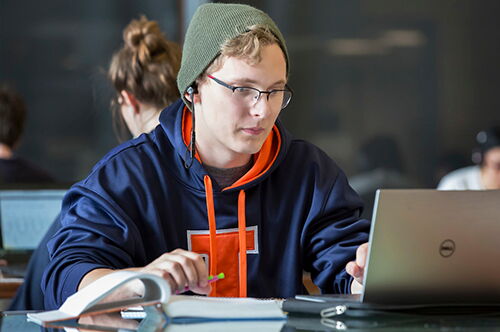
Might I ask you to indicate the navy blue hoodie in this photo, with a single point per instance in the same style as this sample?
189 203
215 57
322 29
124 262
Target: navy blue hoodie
293 211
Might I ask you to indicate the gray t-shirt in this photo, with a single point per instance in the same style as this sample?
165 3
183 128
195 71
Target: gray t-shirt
225 177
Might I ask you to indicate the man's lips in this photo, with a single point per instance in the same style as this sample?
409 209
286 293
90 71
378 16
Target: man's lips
254 130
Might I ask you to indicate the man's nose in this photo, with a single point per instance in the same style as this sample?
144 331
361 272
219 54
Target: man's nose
261 107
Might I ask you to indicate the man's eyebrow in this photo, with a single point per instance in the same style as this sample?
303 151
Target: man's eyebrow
251 81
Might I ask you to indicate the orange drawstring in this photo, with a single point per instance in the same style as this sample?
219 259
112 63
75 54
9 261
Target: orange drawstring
242 236
212 230
263 161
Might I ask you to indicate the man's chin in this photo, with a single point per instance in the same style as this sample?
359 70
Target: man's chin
250 148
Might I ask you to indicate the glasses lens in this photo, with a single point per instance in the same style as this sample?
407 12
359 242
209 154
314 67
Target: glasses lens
249 96
287 95
246 96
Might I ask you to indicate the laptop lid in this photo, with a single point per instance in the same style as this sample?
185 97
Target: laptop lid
430 246
26 215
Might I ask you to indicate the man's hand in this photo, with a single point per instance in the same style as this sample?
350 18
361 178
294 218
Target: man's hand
357 268
181 268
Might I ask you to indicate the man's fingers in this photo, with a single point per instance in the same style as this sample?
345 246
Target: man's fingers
199 266
355 271
176 271
187 268
352 268
169 269
361 254
171 282
202 290
181 268
161 272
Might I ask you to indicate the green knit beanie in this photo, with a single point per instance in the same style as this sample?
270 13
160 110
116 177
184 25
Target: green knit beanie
211 26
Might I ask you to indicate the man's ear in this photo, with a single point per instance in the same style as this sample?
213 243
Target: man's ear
130 100
194 93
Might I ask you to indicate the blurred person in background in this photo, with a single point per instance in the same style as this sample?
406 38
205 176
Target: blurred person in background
143 73
485 174
448 162
14 169
380 166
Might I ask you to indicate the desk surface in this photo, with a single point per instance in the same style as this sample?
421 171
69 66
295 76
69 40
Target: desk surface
156 322
9 286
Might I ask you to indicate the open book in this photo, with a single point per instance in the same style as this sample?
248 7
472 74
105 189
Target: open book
157 291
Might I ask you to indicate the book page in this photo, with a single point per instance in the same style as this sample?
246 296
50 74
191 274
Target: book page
221 307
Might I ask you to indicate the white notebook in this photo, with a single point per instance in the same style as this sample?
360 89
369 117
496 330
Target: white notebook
157 291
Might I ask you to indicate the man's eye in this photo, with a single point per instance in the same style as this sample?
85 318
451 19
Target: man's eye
243 91
276 93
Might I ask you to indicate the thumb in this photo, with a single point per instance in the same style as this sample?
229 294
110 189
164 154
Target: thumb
355 271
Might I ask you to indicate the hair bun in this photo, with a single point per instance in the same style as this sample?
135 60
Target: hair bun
147 64
145 39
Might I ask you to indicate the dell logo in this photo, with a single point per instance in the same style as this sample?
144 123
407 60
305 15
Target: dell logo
447 248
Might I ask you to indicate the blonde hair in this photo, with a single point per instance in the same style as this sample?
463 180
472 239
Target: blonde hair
246 46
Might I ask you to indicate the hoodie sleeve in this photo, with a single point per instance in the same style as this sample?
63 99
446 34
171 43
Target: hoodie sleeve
332 236
89 239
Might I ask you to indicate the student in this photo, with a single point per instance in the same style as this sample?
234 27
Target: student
220 179
14 169
143 73
486 173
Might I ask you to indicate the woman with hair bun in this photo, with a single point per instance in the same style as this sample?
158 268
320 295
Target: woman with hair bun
143 73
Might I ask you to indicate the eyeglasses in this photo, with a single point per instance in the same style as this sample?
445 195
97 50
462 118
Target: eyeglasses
250 96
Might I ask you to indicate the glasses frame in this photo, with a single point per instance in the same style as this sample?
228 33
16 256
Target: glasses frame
268 92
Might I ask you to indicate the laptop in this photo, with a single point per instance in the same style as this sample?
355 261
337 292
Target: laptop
25 216
432 247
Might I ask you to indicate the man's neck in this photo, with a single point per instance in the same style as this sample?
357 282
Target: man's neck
5 151
224 161
213 152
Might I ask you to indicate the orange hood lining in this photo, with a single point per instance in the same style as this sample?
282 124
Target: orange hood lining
263 160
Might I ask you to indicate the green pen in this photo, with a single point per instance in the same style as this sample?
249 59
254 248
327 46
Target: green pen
210 280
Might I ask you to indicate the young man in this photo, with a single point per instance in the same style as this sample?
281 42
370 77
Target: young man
220 183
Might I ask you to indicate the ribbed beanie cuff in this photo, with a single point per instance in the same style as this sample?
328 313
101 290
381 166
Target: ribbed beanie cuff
211 26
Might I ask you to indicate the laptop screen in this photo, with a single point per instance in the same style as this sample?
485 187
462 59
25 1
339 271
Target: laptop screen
432 246
26 215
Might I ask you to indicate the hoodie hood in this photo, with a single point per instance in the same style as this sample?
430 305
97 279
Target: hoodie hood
176 124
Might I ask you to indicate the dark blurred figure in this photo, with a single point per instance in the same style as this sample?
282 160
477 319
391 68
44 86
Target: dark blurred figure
379 165
12 120
449 162
143 73
485 174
